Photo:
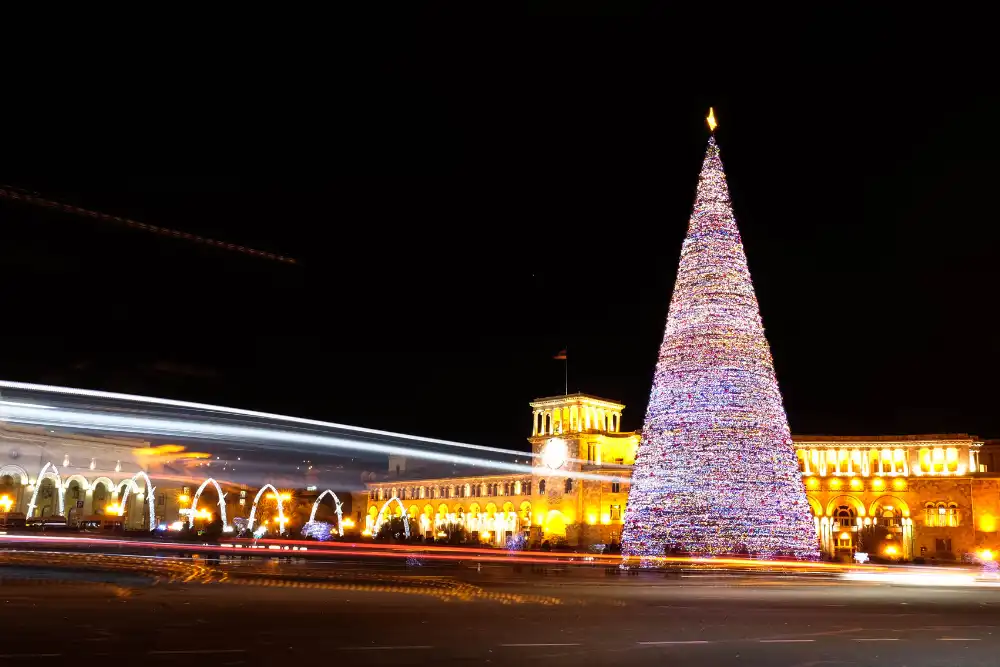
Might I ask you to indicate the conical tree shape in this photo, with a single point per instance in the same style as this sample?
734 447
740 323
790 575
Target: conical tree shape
716 471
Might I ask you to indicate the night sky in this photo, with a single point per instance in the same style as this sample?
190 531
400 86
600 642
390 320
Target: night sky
464 205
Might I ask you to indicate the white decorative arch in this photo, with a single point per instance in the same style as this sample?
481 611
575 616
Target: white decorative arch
149 497
11 469
222 502
281 514
54 474
84 484
406 519
312 515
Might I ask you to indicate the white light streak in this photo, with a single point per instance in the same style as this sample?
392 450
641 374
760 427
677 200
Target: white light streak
168 402
193 428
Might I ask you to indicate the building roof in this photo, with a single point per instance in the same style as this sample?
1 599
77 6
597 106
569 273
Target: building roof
547 401
860 439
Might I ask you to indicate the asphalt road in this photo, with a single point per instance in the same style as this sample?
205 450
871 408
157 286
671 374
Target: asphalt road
551 621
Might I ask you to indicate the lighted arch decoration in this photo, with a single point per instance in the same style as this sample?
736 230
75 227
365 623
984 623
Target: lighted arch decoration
815 506
11 469
54 474
895 501
381 513
253 510
858 506
336 500
222 504
149 497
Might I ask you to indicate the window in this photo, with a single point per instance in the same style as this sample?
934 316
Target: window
397 469
161 499
616 487
614 537
76 493
942 545
541 486
844 518
243 493
591 452
616 512
526 487
569 485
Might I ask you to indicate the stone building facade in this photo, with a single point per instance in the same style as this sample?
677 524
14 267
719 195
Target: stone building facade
897 497
577 433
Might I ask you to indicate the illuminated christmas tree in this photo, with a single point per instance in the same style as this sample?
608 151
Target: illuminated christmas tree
716 471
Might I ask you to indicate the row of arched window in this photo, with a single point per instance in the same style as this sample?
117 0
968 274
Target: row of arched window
493 489
941 514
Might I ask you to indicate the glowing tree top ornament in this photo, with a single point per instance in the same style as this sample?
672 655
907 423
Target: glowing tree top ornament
715 471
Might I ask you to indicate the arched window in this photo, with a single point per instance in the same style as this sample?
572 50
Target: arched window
569 484
845 517
930 514
953 514
541 486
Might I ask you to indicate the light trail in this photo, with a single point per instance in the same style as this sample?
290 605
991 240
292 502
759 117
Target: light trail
187 405
283 548
52 416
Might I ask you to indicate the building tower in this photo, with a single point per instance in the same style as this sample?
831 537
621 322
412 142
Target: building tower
716 471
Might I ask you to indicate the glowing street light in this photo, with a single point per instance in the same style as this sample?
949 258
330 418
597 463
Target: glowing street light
6 502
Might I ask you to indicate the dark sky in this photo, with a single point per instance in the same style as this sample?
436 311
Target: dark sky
464 204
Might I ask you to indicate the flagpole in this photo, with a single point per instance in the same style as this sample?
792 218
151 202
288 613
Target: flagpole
566 361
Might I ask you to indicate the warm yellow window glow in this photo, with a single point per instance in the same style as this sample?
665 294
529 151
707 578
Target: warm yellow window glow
845 536
951 459
891 550
6 502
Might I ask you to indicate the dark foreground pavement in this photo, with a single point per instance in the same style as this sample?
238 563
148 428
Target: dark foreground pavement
704 621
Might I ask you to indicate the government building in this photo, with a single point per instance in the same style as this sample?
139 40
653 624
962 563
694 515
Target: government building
919 496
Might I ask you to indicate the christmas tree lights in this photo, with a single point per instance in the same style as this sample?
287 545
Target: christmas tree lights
716 471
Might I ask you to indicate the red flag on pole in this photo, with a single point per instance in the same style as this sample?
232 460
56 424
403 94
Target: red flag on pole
561 356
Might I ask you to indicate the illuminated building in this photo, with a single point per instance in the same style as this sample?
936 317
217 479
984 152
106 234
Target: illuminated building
899 497
45 473
918 496
577 433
